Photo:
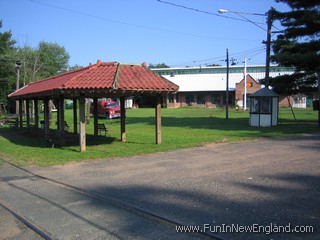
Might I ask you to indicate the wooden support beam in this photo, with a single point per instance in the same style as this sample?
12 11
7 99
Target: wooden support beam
58 114
123 119
82 116
20 102
27 113
88 110
75 116
61 123
158 120
46 117
36 114
95 115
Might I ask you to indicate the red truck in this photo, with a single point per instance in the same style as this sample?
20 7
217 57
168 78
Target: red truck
108 108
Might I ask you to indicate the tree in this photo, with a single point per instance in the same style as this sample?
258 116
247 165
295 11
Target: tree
54 58
159 65
30 64
74 67
7 64
298 46
48 59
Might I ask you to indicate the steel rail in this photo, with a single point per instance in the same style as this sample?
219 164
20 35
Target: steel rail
118 203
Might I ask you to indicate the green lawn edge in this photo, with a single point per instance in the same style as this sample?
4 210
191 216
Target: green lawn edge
181 128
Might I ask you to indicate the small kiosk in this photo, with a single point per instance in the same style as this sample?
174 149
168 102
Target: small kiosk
264 108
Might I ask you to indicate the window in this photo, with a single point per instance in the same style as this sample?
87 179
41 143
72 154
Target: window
190 99
171 99
254 105
260 105
201 99
177 98
265 105
215 99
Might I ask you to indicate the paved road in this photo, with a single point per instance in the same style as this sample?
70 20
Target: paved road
265 184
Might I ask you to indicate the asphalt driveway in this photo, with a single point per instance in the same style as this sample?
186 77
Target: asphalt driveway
250 190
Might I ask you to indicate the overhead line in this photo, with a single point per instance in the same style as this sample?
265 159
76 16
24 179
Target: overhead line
235 55
210 13
135 25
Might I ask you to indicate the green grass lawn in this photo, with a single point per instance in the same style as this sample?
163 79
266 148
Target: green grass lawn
181 128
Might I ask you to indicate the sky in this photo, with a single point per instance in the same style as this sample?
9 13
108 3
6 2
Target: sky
137 31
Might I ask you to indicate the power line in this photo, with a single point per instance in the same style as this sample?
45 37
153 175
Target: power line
136 25
242 54
210 13
248 52
248 20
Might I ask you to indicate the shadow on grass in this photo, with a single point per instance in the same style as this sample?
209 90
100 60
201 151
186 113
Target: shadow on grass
29 138
236 124
285 126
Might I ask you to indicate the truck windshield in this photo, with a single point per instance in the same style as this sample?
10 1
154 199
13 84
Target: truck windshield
109 105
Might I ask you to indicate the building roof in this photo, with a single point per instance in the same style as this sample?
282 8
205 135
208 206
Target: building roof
221 69
205 82
214 81
103 78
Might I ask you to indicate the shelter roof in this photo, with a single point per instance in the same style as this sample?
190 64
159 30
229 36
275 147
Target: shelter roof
264 92
101 78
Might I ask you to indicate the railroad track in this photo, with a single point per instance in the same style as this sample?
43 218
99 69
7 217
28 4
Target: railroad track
37 229
155 218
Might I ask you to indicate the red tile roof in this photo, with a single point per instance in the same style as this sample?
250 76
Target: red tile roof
106 76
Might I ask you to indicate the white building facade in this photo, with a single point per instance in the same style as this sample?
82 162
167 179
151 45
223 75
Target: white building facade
207 86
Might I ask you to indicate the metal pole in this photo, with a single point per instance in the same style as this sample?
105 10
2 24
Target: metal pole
82 117
245 85
158 120
227 86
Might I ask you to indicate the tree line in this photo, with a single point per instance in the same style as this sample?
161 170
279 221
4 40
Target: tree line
45 60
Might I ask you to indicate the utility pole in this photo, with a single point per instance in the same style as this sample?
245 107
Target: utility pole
268 46
318 98
18 65
227 87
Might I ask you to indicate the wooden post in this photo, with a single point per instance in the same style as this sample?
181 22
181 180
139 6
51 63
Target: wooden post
27 113
20 113
88 110
95 116
75 116
158 120
82 113
46 117
58 114
61 120
36 114
123 119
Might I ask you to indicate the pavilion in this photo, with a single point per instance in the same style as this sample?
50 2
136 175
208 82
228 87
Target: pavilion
103 79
